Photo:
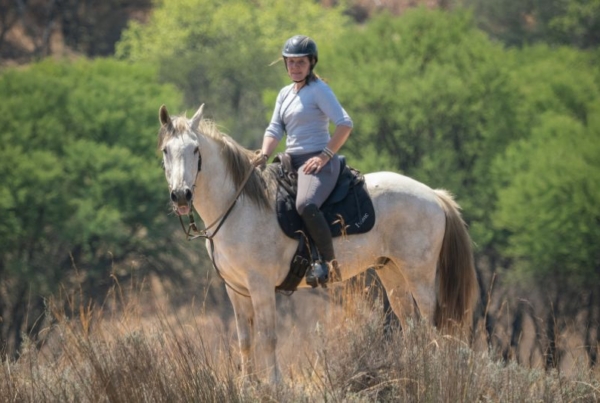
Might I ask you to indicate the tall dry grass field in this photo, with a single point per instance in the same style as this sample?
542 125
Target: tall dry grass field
334 346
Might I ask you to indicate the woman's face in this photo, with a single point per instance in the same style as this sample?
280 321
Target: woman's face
298 67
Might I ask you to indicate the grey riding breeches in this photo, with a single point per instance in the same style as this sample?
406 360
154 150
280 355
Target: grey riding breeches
315 188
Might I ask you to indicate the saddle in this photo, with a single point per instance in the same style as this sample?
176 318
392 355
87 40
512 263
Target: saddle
348 210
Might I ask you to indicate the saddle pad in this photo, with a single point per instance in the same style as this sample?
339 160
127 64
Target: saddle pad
348 210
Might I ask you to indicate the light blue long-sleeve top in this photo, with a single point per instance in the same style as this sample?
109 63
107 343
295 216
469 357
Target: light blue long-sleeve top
305 117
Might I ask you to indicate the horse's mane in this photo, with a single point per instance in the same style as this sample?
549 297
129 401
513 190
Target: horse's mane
260 186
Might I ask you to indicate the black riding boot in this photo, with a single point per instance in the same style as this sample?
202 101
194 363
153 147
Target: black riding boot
319 231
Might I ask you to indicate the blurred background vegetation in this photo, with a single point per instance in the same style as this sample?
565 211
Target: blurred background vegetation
498 102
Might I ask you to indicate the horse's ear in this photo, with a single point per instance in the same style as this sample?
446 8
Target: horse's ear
197 116
163 116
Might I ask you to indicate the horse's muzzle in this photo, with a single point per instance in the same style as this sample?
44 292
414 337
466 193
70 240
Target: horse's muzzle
182 199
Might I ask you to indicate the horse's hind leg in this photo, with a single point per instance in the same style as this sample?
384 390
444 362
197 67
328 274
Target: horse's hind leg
403 292
397 290
244 321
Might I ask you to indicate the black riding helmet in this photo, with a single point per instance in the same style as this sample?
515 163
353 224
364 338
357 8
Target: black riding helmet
301 45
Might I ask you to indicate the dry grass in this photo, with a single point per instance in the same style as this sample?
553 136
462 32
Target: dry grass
338 354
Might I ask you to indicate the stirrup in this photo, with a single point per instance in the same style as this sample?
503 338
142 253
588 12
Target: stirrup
318 274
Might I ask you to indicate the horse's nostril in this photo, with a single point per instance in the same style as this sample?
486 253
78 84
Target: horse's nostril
177 196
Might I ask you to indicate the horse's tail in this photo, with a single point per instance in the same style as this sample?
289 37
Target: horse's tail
457 281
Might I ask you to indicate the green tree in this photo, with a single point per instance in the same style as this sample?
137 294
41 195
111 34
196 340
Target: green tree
219 52
549 178
551 205
579 24
547 212
81 184
517 22
550 211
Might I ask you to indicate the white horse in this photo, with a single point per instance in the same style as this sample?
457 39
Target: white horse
419 244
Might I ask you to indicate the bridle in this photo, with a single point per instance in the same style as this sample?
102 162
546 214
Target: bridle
205 233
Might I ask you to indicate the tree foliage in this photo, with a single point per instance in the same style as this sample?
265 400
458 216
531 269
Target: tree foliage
549 194
516 22
81 181
552 204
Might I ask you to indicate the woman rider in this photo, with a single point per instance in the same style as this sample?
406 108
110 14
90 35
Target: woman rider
303 111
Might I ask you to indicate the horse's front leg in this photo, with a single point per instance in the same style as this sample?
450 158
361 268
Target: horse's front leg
263 300
244 319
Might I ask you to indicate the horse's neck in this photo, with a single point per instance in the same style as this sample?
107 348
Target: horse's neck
214 189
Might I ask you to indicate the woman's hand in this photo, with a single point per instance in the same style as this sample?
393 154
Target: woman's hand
260 160
315 164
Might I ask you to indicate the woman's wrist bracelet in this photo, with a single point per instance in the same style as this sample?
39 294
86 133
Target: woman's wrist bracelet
328 152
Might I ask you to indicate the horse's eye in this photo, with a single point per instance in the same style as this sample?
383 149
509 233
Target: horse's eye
164 151
196 150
